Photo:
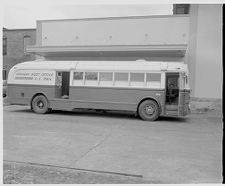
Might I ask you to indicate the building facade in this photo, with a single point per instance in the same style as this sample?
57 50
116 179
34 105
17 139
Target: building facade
14 43
122 38
193 35
204 52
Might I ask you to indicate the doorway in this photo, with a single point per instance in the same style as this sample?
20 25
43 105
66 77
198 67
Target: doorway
172 88
63 84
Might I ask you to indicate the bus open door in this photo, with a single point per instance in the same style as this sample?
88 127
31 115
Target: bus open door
62 85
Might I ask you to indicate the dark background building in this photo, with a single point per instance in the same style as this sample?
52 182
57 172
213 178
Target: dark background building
181 9
14 43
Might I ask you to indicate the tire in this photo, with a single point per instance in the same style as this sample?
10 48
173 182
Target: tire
40 104
148 110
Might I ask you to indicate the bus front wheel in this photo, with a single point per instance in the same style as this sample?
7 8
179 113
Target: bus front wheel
148 110
40 104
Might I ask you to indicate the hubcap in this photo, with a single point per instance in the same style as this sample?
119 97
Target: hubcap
40 104
149 110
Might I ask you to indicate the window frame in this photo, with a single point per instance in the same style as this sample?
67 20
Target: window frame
4 74
78 79
4 46
90 79
122 83
25 44
118 83
158 73
106 82
90 82
137 83
105 73
153 84
121 73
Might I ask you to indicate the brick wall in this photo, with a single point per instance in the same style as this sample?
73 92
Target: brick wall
16 41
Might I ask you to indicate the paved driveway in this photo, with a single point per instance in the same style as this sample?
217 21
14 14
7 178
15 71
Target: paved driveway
166 151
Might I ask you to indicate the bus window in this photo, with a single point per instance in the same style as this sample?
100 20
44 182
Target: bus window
91 78
58 79
137 79
106 78
153 80
121 79
78 78
78 75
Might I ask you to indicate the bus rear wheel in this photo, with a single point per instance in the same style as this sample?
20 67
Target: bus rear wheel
148 110
40 104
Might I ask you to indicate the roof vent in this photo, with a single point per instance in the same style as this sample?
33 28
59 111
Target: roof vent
164 66
141 60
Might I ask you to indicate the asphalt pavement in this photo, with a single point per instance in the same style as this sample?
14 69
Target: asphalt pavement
169 150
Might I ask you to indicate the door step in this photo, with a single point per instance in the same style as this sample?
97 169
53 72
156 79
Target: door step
171 108
65 97
172 113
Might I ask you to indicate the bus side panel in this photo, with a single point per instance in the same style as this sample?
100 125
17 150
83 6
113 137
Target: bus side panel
22 94
114 98
184 99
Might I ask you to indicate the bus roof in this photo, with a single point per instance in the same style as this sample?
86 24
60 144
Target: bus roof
104 65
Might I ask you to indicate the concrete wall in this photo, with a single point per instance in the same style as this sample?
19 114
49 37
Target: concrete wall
149 30
205 51
201 30
190 56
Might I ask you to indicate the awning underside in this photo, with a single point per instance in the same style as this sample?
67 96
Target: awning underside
112 51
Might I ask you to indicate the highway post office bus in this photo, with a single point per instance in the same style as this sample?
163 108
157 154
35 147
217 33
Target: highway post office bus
150 89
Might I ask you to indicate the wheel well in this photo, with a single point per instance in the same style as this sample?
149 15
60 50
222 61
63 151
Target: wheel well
149 98
37 94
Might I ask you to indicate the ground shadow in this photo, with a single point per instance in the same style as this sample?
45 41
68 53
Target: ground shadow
92 113
106 114
23 111
173 119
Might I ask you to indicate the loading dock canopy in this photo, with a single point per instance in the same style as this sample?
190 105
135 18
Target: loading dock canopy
173 50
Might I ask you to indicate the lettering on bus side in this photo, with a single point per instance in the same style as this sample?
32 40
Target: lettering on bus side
34 76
